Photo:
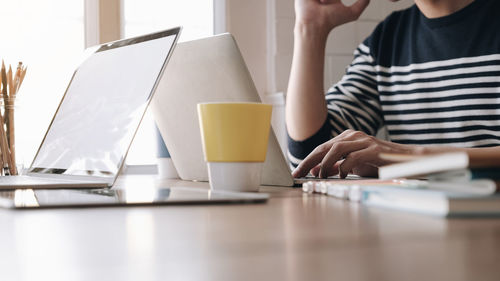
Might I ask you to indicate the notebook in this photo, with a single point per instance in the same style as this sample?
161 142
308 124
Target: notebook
207 70
89 136
433 202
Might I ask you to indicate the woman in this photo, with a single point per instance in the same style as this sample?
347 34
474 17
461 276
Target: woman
430 74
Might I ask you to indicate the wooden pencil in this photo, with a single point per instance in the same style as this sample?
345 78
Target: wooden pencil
16 79
1 163
5 98
9 80
4 86
8 108
4 83
11 130
23 73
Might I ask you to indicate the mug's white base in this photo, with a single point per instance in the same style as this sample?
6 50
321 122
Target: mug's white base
166 169
235 176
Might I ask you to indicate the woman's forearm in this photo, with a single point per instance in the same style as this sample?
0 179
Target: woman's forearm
306 106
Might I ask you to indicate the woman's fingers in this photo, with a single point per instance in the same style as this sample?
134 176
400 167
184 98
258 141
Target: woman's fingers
351 151
338 151
315 171
313 159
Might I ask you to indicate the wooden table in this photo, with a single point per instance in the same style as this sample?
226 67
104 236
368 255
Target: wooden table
294 236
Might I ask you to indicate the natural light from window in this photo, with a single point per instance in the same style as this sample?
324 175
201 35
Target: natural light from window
48 37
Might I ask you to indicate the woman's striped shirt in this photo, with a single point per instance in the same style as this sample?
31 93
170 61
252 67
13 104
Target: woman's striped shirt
429 81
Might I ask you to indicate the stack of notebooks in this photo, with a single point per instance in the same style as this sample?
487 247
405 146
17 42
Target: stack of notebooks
449 184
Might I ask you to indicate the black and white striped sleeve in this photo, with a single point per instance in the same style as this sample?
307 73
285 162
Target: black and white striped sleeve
353 103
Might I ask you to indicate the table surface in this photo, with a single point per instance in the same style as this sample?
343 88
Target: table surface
294 236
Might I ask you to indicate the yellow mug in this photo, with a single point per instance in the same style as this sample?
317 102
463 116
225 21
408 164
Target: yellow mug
235 139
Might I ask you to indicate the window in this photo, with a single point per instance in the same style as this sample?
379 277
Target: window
48 37
145 16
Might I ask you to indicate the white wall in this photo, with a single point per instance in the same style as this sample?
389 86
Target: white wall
247 21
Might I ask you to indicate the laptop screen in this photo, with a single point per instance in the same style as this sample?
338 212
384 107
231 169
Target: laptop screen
103 105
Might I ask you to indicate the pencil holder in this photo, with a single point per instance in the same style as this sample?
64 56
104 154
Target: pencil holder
9 87
7 137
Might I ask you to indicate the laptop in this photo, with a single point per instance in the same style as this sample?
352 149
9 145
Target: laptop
207 70
89 136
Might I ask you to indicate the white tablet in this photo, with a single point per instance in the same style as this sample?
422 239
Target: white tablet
74 198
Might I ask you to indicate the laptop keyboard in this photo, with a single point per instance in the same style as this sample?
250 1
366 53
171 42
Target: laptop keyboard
26 181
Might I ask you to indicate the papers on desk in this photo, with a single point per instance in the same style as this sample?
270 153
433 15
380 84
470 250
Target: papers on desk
422 166
456 171
445 166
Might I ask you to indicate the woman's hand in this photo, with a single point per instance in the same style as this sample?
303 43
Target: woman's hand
350 152
327 14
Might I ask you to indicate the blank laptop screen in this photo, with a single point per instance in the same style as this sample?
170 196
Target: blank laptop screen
102 107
